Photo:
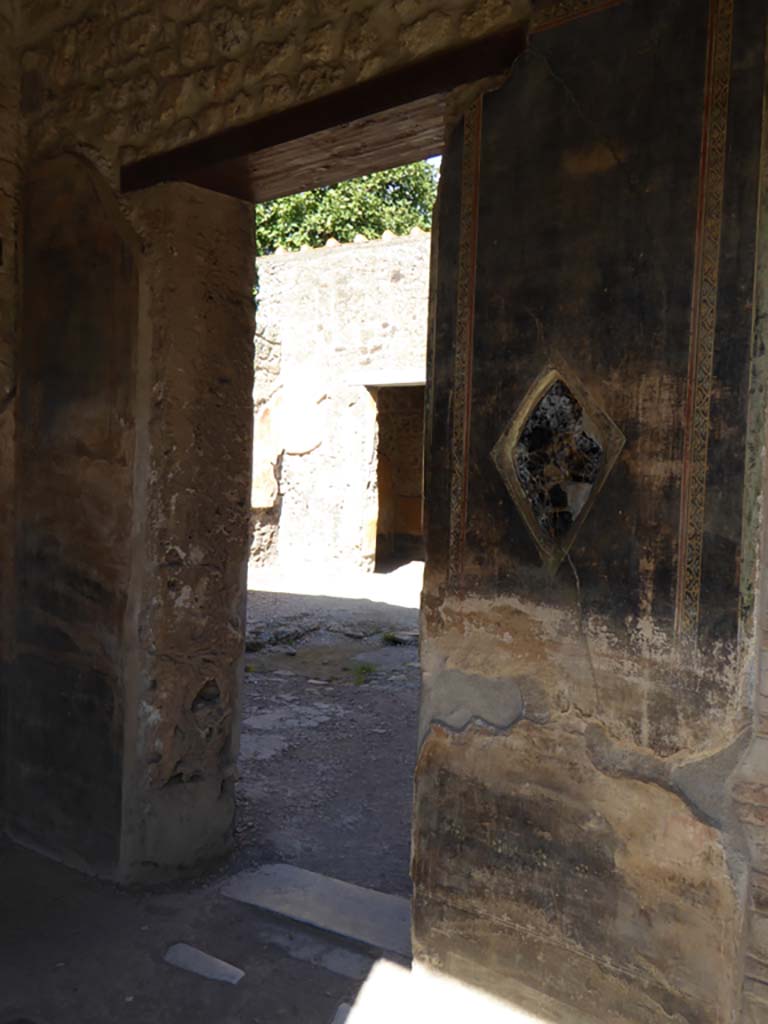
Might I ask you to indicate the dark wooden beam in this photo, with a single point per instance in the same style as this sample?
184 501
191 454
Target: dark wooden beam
432 76
389 139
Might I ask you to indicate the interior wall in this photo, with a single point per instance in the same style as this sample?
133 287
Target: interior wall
110 81
75 448
749 784
128 79
133 436
586 717
9 212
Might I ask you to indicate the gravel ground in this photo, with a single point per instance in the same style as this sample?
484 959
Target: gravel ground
328 744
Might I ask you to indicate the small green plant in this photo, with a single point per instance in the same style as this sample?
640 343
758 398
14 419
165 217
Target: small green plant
391 639
362 672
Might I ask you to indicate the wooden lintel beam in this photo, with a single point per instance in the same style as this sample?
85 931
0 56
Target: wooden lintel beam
481 58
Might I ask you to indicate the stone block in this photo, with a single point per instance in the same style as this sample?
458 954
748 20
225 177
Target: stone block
372 918
189 958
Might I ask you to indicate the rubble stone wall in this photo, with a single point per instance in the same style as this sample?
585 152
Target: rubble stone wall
130 78
334 323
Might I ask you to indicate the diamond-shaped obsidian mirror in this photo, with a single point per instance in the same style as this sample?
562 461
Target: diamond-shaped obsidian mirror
554 457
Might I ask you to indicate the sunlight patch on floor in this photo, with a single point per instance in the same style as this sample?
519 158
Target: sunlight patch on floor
400 587
395 993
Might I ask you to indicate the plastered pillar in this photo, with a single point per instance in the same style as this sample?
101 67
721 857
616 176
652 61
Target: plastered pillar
186 609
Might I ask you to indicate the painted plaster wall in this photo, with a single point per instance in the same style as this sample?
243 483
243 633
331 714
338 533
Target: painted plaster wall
132 543
330 321
108 81
75 443
592 850
129 78
9 182
591 767
749 785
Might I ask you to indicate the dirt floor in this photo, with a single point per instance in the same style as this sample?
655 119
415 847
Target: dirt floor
327 754
328 743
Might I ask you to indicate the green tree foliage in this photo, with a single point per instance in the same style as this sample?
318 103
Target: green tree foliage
396 201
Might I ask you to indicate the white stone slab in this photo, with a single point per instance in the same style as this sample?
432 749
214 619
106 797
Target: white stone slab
364 915
195 960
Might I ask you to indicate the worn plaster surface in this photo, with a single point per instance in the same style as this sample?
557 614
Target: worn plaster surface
10 130
186 613
75 442
584 732
605 796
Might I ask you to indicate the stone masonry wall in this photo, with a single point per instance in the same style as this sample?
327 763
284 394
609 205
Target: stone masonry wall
128 77
332 323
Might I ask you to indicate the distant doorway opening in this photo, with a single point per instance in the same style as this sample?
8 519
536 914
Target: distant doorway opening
400 475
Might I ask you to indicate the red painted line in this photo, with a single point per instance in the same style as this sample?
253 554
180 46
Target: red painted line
693 350
565 19
477 144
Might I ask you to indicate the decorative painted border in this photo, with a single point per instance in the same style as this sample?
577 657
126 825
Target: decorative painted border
703 317
750 784
547 16
597 422
465 329
559 12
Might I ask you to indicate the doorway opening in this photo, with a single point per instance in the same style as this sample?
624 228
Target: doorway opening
400 476
330 702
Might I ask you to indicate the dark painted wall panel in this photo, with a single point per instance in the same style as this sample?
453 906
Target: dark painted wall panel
75 457
583 722
440 360
585 259
721 563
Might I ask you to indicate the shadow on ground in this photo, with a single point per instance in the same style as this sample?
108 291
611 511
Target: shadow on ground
74 950
328 746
